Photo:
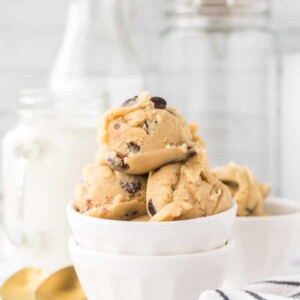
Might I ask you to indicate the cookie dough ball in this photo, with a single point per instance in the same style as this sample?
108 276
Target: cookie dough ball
145 134
186 190
109 194
246 191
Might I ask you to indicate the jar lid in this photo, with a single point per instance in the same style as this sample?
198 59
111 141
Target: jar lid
218 7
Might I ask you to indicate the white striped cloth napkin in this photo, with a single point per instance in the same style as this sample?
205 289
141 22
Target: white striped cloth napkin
279 288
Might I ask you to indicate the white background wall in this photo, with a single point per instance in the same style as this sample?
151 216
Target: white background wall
31 32
30 35
286 19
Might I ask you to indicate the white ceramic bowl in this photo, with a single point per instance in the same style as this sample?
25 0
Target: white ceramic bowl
151 238
264 245
124 277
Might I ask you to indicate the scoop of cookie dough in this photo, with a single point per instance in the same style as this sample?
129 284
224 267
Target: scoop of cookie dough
247 192
109 194
145 134
186 190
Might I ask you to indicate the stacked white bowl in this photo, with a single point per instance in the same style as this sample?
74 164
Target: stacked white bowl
265 245
119 260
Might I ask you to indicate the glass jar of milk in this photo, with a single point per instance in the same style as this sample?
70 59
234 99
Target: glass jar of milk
43 157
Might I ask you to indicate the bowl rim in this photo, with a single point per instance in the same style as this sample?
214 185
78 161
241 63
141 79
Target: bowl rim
71 210
283 202
228 246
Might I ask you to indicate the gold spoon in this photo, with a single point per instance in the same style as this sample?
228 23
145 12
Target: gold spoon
62 285
23 284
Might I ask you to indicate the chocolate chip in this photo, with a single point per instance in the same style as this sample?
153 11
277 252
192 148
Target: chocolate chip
149 126
130 102
117 163
190 154
232 186
159 102
145 126
204 177
172 113
89 203
133 147
250 210
131 187
117 126
151 208
131 213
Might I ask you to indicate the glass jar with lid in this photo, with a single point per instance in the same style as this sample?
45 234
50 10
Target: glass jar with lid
42 161
219 65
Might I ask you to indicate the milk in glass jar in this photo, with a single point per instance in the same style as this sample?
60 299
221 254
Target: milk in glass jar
43 157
